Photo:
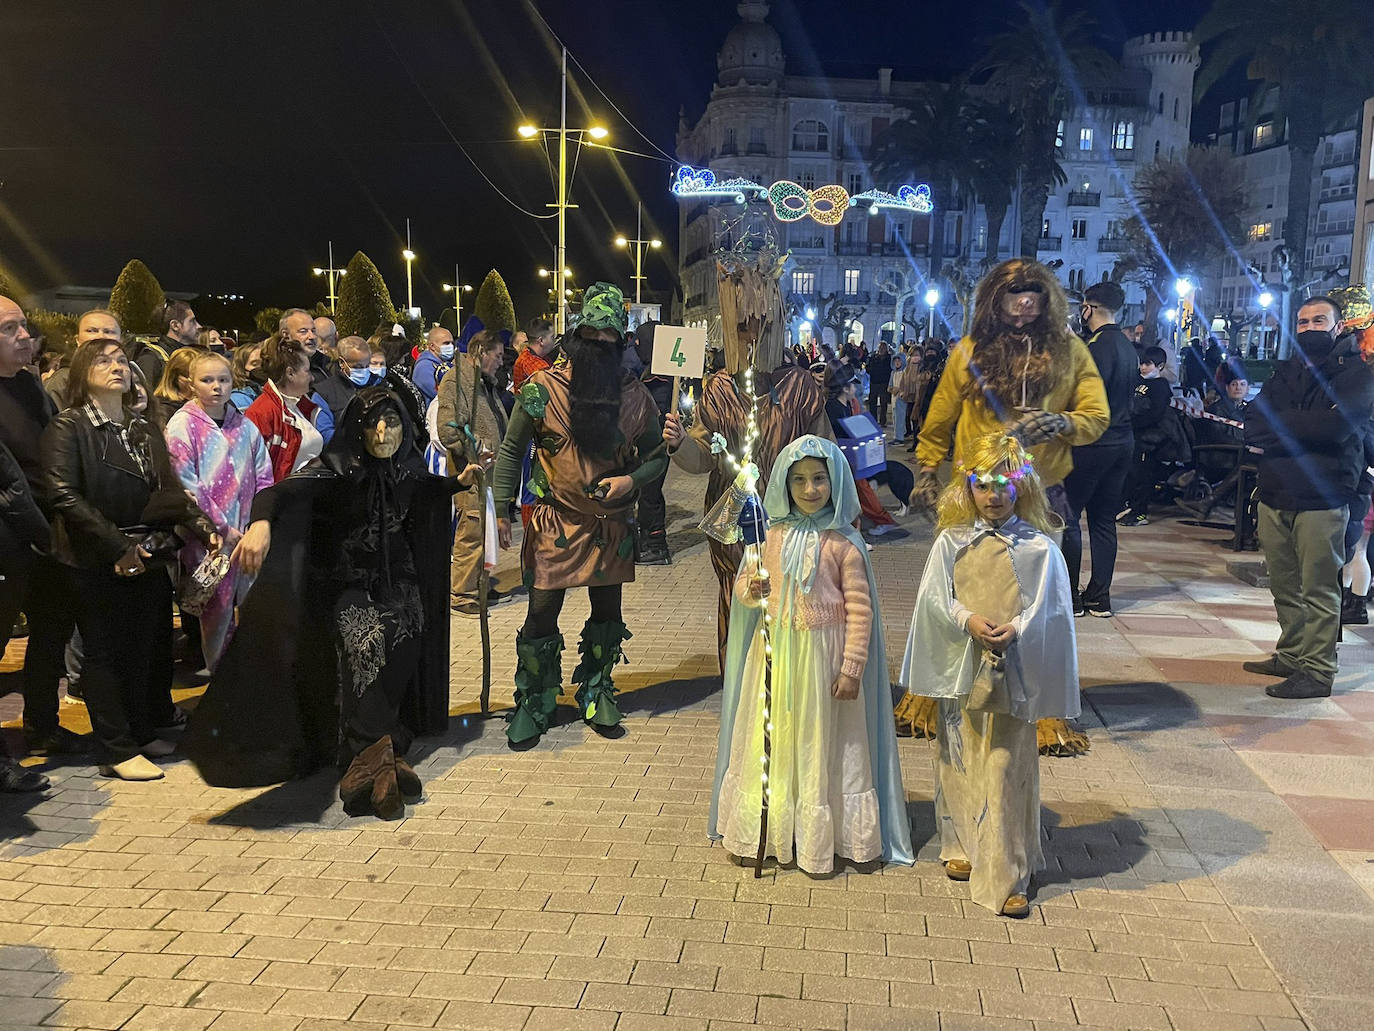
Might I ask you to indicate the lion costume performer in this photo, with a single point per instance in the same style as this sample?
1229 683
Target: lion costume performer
598 441
786 401
1020 371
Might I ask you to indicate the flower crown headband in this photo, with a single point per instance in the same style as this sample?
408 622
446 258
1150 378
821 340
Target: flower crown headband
987 479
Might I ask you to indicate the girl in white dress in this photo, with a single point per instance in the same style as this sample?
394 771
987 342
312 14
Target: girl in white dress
833 780
992 638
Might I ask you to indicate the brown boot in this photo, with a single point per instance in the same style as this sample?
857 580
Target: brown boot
386 793
408 781
355 787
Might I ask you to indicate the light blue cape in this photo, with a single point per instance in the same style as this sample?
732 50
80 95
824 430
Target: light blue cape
875 691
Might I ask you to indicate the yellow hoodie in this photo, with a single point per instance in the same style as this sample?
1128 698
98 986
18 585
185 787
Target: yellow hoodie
1079 394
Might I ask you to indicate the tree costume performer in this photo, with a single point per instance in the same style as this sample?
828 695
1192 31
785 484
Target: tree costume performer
992 638
786 402
833 779
1022 372
342 650
599 440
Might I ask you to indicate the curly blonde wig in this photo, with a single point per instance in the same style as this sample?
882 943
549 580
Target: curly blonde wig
1010 364
987 455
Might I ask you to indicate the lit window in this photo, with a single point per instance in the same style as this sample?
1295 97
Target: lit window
804 283
1261 231
810 135
1080 229
982 237
1085 138
1059 135
851 280
1044 229
1264 134
1123 136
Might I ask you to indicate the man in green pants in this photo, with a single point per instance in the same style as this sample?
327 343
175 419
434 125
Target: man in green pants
1310 421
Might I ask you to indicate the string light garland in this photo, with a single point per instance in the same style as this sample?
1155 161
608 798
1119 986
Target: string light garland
792 202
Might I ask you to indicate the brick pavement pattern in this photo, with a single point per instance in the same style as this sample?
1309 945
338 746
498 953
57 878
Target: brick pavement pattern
1211 861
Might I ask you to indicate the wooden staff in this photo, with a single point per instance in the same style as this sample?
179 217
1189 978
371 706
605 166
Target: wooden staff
753 535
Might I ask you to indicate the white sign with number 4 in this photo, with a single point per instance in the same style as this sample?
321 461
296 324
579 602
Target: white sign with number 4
679 351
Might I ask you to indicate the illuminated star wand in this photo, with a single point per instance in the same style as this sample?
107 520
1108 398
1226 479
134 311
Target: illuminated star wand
754 527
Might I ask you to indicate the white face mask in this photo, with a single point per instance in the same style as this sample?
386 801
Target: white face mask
445 351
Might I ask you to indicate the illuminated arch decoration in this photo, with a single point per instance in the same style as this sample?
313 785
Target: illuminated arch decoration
792 202
692 182
908 198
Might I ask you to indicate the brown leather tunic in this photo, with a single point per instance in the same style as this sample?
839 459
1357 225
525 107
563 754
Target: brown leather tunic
574 540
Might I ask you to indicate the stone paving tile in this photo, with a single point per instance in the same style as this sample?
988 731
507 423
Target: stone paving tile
1208 860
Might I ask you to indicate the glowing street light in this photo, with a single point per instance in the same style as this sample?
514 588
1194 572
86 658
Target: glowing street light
639 245
1171 314
334 274
810 314
457 288
1183 286
932 299
1265 299
529 132
409 256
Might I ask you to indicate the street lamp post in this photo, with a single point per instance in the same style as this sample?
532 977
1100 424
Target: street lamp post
639 245
458 288
529 132
932 299
332 282
409 256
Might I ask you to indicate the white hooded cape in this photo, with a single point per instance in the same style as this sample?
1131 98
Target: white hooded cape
1042 663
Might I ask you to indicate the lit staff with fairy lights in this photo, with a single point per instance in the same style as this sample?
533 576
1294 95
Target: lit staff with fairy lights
750 410
1022 372
598 441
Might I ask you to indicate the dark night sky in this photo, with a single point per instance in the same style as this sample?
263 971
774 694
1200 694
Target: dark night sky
225 142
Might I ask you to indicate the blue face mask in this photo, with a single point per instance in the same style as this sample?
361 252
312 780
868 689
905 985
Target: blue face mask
360 376
446 351
379 371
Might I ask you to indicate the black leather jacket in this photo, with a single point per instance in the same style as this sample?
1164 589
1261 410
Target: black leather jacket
22 526
93 487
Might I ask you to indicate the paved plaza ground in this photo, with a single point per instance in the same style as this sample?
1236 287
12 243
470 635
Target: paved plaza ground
1211 861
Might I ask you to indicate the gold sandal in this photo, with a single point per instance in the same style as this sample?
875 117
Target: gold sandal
1017 906
958 869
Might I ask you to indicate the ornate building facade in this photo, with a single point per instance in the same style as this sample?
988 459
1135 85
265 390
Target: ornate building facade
765 125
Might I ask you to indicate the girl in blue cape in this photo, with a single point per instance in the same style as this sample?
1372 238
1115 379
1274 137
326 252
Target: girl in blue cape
992 638
835 785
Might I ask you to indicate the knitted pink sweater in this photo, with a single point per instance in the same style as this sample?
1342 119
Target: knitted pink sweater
838 596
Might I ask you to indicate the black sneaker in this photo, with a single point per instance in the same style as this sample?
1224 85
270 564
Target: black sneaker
14 778
1270 667
1300 685
1132 520
1100 609
1078 609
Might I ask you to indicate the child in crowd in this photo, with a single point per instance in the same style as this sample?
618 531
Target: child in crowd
833 780
1157 436
992 637
222 461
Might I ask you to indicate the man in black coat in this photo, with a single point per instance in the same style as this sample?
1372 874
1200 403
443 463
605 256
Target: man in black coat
1310 421
30 580
1099 469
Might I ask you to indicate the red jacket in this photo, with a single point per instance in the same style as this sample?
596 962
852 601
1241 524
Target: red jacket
268 413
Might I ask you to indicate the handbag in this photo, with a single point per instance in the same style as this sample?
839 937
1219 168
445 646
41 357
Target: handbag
161 546
199 586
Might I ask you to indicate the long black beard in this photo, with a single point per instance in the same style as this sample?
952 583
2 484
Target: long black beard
595 412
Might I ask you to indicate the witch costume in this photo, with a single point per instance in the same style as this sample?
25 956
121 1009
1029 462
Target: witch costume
342 651
987 793
834 780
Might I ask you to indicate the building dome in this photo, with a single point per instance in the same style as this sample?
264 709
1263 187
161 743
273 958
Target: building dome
752 52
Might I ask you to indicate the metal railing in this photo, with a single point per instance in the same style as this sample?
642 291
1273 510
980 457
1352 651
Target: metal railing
1050 243
1112 244
1085 199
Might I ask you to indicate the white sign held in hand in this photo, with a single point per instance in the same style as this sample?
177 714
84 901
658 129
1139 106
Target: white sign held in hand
679 351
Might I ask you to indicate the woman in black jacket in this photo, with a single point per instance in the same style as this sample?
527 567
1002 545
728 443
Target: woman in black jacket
119 517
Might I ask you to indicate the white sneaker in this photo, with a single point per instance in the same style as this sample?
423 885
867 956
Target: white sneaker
901 511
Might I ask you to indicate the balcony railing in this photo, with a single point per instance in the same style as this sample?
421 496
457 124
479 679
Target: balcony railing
857 248
1337 192
1085 199
893 247
758 149
857 297
1050 243
1112 244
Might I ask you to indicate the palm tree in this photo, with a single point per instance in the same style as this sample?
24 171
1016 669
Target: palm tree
931 143
994 160
1316 54
1036 70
